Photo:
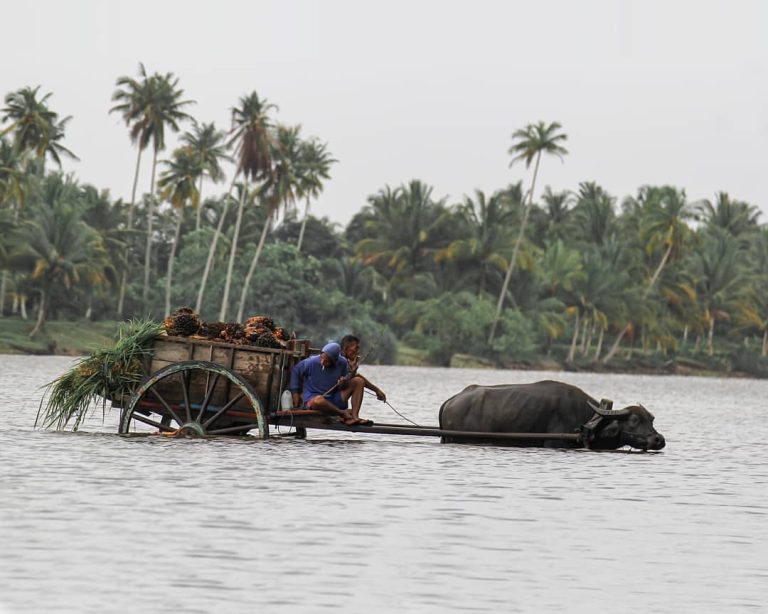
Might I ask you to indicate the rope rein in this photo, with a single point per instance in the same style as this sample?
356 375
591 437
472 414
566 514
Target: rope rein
394 410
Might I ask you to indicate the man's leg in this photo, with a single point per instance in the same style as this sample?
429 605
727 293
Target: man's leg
354 392
322 404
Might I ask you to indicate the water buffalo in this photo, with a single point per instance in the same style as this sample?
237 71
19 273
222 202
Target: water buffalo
548 407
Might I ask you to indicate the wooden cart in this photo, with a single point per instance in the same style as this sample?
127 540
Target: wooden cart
203 387
200 387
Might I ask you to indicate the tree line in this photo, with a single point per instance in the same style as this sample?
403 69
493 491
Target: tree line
504 275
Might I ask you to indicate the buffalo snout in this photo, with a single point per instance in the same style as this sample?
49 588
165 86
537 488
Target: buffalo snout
656 441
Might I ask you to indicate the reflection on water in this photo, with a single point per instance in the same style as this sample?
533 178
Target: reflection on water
93 522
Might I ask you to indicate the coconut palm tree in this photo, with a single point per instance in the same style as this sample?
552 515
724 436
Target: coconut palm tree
718 271
57 246
252 137
603 294
208 145
663 226
735 216
29 119
13 189
350 276
594 212
12 179
404 230
36 128
107 217
163 110
487 220
528 144
54 149
314 168
753 306
150 105
131 97
280 188
179 185
557 214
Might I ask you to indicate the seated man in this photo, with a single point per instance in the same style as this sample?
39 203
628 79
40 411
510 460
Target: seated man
350 349
320 382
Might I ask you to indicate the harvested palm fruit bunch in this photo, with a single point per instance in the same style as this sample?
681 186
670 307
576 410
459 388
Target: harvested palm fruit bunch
254 332
212 330
265 338
281 334
261 332
183 322
260 321
233 333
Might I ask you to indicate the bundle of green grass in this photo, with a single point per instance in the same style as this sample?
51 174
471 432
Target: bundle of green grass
106 374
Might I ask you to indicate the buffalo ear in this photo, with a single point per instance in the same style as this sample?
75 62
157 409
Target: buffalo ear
611 430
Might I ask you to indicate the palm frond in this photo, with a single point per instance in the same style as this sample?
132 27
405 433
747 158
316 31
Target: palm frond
111 373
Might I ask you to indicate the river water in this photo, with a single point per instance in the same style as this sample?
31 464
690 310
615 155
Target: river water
94 522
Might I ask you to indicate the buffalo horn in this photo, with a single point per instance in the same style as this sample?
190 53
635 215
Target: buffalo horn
608 413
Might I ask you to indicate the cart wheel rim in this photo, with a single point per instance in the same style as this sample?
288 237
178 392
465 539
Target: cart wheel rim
192 429
190 421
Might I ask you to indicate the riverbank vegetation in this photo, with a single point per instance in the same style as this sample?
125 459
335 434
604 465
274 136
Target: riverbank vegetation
576 278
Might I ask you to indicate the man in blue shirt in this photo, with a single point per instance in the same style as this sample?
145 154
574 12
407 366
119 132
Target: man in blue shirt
320 382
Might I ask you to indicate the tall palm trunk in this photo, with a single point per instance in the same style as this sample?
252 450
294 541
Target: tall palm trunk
586 337
212 249
40 314
765 343
171 258
572 351
198 221
19 305
710 336
657 272
599 344
232 251
150 220
625 330
515 250
124 276
303 226
252 268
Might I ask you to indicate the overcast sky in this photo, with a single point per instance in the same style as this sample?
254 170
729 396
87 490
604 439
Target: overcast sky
649 92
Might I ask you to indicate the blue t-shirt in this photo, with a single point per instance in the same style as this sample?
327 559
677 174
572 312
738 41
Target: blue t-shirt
313 379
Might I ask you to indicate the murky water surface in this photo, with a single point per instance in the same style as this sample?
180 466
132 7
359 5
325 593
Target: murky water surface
93 522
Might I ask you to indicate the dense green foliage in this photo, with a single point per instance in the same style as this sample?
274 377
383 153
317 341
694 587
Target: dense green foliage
577 276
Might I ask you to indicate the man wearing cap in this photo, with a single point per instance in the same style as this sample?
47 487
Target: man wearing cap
319 381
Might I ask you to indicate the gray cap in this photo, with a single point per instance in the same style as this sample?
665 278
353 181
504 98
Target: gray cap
332 350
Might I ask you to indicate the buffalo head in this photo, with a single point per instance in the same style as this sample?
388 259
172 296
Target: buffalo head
630 426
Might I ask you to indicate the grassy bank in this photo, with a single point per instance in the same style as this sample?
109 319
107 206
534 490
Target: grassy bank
733 362
63 338
80 338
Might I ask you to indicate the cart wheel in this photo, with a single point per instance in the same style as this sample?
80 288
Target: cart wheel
182 409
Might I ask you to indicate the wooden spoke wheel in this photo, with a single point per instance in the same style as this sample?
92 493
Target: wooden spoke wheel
194 398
